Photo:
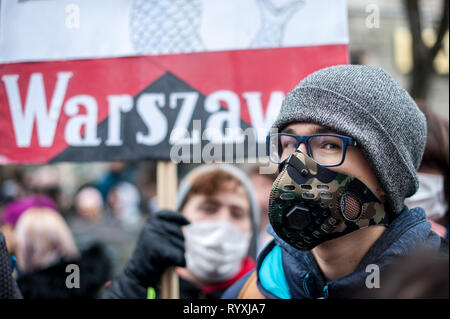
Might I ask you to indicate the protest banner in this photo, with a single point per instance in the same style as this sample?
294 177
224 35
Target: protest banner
125 80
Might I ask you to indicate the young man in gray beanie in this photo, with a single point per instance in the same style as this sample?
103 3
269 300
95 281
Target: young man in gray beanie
348 141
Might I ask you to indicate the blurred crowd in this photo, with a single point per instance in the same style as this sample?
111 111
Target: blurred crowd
61 212
91 214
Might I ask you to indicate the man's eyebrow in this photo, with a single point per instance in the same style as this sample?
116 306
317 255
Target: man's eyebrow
288 130
320 130
315 130
236 207
211 201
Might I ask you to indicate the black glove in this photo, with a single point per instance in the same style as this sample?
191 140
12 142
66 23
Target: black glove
160 245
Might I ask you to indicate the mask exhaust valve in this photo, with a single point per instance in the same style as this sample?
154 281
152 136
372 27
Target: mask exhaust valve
350 207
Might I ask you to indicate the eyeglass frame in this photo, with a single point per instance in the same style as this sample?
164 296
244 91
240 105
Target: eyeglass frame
346 141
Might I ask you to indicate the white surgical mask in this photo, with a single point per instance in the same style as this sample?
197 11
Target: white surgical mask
215 250
430 196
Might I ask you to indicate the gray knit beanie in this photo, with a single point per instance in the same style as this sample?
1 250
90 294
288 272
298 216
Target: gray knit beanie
367 104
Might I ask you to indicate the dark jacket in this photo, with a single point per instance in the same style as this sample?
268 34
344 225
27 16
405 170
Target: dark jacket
50 283
8 287
127 287
189 291
285 272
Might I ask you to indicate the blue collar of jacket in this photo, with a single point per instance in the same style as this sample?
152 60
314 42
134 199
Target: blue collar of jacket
304 278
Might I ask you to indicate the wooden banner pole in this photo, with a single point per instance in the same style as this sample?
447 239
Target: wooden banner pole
166 181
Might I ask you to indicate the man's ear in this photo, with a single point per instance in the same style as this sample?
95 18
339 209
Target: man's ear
380 194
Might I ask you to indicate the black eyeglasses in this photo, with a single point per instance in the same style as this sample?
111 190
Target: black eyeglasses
325 149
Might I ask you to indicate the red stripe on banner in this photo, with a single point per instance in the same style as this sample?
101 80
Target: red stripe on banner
240 71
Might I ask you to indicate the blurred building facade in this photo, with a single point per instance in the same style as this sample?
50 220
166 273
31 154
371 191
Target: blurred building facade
387 42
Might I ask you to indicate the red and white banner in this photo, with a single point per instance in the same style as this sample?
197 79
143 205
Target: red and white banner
93 80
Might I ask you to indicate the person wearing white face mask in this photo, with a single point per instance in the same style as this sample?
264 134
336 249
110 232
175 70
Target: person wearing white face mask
432 194
212 241
215 251
431 198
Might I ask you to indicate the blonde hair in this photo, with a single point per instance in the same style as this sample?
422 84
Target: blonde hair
42 238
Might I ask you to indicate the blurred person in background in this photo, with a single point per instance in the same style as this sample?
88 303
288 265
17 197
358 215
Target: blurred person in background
46 181
211 241
14 209
9 289
11 187
262 184
89 204
44 248
117 172
124 204
42 237
12 184
93 222
10 190
432 194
